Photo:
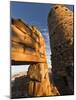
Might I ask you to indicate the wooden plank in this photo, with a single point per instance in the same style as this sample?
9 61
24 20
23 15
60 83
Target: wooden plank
25 47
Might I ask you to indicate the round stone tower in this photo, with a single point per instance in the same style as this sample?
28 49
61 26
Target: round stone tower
60 25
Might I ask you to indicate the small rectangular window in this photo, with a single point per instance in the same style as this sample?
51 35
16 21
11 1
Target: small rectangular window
56 7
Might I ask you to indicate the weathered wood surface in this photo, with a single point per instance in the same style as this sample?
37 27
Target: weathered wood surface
26 43
28 46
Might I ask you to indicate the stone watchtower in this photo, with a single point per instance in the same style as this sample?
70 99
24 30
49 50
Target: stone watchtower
60 25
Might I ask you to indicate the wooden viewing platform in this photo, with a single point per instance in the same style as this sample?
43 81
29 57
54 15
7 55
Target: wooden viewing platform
27 44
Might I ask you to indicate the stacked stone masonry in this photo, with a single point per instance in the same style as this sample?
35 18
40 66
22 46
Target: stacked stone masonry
28 45
60 25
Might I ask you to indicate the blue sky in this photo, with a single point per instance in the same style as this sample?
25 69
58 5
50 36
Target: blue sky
33 14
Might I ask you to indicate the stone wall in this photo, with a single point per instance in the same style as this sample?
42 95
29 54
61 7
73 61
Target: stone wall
24 37
38 74
19 87
60 25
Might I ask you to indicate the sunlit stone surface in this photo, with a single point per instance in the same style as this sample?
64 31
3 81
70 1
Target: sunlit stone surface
28 46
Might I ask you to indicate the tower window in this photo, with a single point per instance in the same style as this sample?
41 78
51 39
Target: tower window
65 81
66 9
69 70
56 7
